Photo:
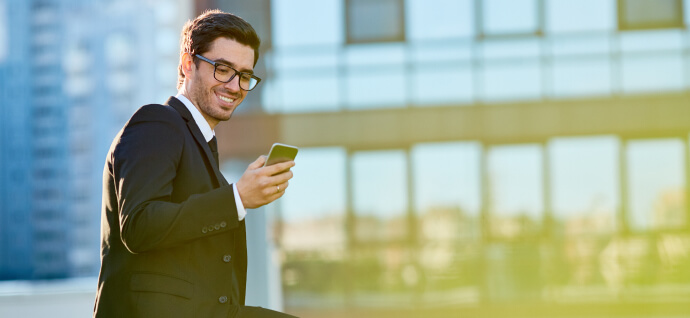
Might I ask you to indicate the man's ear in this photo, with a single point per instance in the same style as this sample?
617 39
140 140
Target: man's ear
186 61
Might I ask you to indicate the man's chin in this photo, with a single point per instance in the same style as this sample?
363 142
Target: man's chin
223 117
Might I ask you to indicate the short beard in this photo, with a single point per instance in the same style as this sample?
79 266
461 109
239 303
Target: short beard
202 100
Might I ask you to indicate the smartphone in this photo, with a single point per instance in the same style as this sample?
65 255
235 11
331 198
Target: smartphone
280 153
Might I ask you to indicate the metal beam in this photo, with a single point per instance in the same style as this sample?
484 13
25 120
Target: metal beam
628 117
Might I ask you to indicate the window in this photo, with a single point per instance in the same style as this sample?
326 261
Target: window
311 226
4 32
306 23
515 191
649 14
567 16
375 21
376 76
439 19
503 81
656 183
578 77
584 184
655 73
512 70
382 261
452 186
510 17
447 201
322 85
442 84
44 14
380 194
303 213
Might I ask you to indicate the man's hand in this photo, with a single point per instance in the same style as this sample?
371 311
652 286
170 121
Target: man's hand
261 185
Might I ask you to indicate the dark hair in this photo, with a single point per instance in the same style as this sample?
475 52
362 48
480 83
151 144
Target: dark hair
198 34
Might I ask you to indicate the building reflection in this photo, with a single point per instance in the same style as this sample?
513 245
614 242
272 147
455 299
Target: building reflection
587 261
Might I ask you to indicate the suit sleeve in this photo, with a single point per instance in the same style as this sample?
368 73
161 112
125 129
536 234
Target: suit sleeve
145 164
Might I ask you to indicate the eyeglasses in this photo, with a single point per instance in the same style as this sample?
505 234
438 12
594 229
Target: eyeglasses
225 73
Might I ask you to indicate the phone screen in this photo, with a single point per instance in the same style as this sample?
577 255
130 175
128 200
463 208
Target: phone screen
281 153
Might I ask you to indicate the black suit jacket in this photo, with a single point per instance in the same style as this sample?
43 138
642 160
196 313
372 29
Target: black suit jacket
170 234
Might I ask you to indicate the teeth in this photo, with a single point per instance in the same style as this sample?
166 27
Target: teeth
225 99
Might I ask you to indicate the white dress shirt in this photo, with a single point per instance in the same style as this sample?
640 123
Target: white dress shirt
208 135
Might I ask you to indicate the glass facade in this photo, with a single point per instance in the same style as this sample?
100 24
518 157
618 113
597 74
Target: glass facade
474 170
547 50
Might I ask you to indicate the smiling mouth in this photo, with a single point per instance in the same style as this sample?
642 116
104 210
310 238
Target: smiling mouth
226 99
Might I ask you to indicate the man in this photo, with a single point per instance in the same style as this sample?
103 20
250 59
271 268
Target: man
173 240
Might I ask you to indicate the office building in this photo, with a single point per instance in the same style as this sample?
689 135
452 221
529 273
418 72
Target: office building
477 153
73 72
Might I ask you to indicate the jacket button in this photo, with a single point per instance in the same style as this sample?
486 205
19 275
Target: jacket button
223 299
227 258
210 228
204 230
223 224
217 226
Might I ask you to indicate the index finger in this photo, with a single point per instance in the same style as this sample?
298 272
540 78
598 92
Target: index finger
258 163
279 167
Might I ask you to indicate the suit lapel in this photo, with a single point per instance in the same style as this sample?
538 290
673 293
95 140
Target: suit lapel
198 136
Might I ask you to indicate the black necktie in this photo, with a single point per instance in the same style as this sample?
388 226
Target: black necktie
213 143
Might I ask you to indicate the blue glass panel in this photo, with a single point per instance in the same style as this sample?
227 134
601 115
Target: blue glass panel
652 73
376 54
568 45
581 77
439 19
304 92
584 183
656 184
442 51
304 59
509 17
310 196
654 40
449 84
513 48
512 81
379 183
295 25
516 189
453 184
385 87
563 16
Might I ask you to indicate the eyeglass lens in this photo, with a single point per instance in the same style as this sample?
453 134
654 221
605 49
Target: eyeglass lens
225 74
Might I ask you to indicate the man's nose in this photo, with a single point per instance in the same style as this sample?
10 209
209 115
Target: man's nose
234 84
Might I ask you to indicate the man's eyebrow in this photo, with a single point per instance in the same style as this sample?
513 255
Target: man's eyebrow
231 64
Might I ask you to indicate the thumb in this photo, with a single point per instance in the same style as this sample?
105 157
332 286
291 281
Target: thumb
258 163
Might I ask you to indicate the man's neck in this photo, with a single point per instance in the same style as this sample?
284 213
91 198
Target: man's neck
197 116
210 120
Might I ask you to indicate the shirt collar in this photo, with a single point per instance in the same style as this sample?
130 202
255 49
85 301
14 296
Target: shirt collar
198 117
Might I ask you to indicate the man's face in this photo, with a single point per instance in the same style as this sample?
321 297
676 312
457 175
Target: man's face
217 100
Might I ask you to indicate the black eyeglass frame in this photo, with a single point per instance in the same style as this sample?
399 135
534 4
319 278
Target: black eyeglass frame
215 66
